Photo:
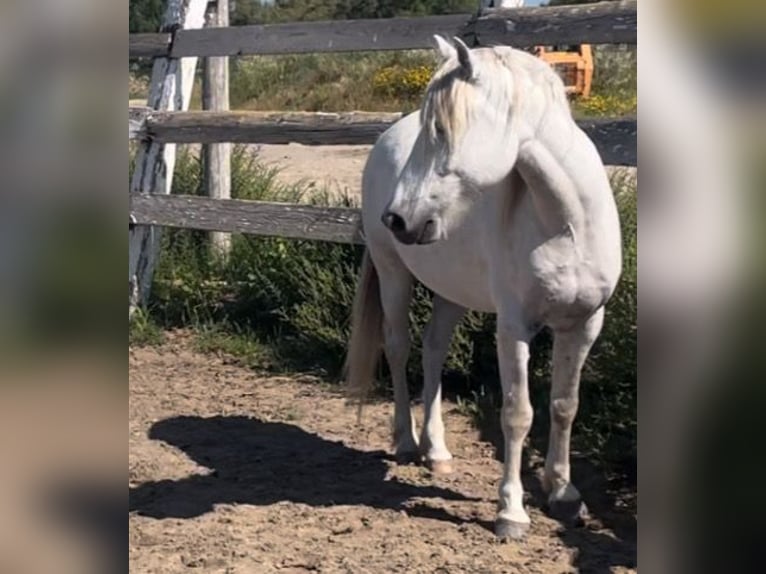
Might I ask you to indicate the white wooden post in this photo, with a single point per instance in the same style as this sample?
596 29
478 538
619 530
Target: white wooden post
215 97
171 88
501 3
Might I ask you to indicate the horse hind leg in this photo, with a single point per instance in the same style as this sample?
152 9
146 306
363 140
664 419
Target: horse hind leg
570 349
436 340
395 295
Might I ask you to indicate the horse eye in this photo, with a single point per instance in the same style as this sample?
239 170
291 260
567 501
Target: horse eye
439 129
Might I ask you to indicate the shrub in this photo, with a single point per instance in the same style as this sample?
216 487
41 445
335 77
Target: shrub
606 105
402 82
325 82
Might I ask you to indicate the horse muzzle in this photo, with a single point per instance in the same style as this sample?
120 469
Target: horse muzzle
421 233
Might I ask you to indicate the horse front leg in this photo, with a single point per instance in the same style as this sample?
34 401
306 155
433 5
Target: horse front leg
516 420
436 340
570 349
395 296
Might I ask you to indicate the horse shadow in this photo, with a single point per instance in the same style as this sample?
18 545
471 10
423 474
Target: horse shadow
261 463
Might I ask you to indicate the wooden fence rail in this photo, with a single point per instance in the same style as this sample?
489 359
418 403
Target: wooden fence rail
614 138
294 221
597 23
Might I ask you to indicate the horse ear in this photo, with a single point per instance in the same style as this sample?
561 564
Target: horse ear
466 59
446 50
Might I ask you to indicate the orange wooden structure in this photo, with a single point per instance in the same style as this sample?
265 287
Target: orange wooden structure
575 67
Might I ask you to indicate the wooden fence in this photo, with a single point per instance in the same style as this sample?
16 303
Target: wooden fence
165 123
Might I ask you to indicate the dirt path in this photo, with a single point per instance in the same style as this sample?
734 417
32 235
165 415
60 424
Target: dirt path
233 472
337 168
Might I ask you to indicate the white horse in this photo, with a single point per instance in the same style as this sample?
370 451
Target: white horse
493 198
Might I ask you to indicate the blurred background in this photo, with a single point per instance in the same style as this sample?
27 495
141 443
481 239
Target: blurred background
63 374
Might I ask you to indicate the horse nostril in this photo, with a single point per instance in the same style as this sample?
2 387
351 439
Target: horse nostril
394 222
397 223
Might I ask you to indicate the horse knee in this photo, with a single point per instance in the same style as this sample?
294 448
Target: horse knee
563 411
517 416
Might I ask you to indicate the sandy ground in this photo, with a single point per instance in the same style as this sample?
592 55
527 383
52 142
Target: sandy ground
235 472
337 168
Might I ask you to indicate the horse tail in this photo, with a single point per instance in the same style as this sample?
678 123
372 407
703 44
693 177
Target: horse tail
366 341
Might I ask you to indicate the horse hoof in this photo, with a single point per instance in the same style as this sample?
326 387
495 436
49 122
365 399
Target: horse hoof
407 457
440 466
569 512
510 529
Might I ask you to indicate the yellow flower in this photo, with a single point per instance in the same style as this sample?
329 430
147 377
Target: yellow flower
398 81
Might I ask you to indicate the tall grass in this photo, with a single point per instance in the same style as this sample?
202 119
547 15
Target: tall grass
322 82
347 82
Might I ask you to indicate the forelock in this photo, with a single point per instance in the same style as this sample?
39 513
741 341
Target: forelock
449 101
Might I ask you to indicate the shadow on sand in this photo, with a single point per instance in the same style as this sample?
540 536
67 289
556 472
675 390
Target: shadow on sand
261 463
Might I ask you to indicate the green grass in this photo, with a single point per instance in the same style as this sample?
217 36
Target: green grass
240 345
144 331
321 82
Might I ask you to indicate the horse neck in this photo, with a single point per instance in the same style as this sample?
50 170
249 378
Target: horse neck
543 111
553 129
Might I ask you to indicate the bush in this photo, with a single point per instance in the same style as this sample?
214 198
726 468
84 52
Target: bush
328 82
606 105
400 82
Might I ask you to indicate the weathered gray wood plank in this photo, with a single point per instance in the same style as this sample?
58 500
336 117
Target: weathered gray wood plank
601 22
338 224
148 45
614 138
325 36
172 82
597 23
270 127
137 122
215 97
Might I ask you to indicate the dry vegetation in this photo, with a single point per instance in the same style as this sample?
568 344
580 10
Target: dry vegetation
387 81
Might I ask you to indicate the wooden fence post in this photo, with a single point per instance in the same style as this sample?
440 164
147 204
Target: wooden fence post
500 4
171 88
215 97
